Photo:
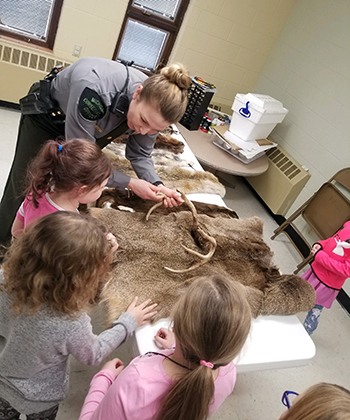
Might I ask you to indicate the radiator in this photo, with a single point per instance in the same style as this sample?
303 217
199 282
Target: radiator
20 67
280 185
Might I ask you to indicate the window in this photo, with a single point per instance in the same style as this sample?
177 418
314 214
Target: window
149 31
33 21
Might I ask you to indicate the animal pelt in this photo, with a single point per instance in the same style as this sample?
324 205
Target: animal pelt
173 171
145 248
124 201
163 141
160 157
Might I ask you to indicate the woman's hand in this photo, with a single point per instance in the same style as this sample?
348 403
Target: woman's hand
165 338
148 191
143 312
173 198
144 189
115 365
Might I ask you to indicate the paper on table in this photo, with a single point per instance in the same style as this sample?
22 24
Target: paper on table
240 154
249 146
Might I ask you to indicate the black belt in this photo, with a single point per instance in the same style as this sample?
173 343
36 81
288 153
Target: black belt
39 100
108 138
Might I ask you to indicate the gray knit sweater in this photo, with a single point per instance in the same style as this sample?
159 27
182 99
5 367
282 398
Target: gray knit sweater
34 350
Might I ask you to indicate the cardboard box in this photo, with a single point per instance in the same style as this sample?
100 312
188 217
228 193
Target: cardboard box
245 151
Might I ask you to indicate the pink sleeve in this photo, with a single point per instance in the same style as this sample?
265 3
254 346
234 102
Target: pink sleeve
323 243
99 385
20 212
122 398
224 385
333 265
129 396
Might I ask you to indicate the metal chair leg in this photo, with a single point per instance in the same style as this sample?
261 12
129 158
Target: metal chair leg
305 261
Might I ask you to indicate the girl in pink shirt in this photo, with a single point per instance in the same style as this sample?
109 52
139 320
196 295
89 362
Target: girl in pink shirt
211 323
62 176
328 272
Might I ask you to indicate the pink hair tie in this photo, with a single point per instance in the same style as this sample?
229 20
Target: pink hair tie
206 364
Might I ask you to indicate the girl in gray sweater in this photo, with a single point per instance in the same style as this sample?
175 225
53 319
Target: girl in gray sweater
51 274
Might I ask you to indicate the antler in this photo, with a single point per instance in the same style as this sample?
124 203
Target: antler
160 203
202 233
197 228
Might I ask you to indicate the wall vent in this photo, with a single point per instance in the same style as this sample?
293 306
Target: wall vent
280 185
283 162
29 59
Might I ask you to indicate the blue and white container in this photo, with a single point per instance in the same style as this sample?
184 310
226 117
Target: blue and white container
255 115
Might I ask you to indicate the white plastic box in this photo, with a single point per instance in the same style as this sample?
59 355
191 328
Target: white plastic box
255 115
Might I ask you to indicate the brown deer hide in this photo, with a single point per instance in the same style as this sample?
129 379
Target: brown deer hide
145 248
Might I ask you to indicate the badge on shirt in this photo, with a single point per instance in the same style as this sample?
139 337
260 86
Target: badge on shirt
91 106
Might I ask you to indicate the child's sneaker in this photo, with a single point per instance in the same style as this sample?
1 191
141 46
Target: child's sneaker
311 320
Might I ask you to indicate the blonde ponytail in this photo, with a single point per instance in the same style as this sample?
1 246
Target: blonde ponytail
211 322
190 396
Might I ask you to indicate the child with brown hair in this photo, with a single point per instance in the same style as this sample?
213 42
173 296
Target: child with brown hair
51 275
62 176
211 323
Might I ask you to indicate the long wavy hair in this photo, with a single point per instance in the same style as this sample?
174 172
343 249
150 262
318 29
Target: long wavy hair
211 322
167 91
61 261
78 163
323 401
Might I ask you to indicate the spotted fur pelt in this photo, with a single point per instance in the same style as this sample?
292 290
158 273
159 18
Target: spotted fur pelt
164 141
145 248
172 169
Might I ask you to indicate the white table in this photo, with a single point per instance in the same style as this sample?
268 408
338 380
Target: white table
274 341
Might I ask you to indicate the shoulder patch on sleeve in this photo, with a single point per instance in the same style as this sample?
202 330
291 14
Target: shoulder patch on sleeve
91 106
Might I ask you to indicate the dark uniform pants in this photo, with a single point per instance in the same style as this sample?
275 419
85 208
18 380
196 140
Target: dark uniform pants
33 131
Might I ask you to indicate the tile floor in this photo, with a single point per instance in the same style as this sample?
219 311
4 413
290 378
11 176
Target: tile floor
257 395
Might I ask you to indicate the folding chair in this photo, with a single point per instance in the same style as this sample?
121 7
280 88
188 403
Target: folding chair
325 211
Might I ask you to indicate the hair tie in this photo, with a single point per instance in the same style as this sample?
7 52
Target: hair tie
59 149
206 364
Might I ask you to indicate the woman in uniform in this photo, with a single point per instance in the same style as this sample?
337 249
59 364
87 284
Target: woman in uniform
99 99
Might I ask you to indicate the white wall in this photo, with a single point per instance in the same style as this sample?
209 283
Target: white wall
309 71
92 24
228 42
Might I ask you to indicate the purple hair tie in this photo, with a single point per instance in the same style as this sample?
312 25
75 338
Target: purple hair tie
59 149
206 364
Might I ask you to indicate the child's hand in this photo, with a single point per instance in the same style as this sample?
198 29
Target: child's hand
165 338
115 365
315 248
112 240
142 313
